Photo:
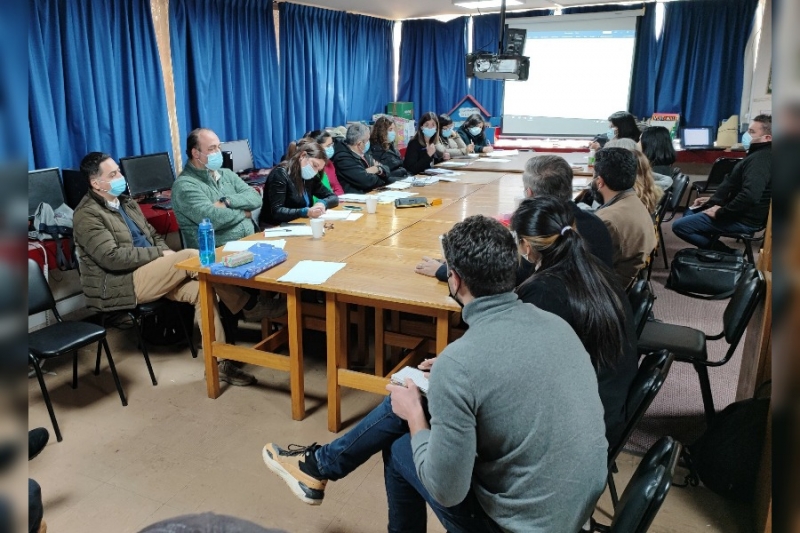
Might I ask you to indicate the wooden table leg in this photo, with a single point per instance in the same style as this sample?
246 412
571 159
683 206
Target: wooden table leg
335 314
380 342
207 300
296 377
442 330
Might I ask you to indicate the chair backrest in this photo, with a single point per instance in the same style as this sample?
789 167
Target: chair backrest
75 186
661 208
649 378
40 298
648 488
679 185
721 168
740 308
641 299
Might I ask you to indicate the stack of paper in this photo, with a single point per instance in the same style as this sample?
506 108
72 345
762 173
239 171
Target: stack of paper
414 374
453 164
494 160
335 214
398 185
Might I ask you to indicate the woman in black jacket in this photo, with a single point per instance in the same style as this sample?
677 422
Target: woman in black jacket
291 187
656 143
473 132
383 148
573 284
421 150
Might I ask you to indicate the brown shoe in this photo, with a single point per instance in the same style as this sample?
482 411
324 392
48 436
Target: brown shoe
291 466
266 308
230 373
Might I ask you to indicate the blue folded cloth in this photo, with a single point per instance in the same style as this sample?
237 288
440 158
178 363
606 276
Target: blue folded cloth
266 256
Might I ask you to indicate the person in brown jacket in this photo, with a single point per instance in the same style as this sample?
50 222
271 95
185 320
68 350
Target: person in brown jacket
631 227
125 262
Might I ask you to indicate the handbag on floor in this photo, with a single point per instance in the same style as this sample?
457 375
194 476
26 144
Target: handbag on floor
706 274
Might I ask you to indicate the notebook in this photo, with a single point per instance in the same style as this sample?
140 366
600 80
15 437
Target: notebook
415 374
266 257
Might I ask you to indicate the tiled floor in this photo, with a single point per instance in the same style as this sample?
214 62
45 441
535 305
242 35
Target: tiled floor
173 451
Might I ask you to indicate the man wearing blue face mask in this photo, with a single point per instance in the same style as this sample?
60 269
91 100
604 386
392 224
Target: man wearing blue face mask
206 190
741 202
125 262
356 169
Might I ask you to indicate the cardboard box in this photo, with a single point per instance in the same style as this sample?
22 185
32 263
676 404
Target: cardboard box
401 109
728 133
671 121
404 129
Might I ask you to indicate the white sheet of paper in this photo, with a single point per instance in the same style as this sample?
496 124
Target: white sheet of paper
335 214
494 160
353 198
288 231
415 374
503 153
354 216
397 185
453 164
312 272
240 246
450 178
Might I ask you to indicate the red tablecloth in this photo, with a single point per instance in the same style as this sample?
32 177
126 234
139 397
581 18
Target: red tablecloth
36 253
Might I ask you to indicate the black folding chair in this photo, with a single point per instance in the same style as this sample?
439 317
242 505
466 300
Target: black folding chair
647 489
650 377
676 192
641 299
690 345
747 238
719 170
60 339
137 316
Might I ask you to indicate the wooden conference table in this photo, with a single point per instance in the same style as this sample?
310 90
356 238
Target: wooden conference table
380 251
516 163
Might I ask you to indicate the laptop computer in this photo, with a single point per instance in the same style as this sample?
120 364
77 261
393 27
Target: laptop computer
697 138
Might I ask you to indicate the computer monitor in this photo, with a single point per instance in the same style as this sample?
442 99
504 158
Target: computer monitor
148 175
697 138
75 186
44 186
240 154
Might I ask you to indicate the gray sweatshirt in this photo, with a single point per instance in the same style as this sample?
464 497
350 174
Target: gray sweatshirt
515 414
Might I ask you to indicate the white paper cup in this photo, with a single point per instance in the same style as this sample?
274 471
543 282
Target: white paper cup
317 228
372 204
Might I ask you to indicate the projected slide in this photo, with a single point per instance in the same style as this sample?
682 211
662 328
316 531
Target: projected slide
578 77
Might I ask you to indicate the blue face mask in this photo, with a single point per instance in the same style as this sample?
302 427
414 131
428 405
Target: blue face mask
447 133
307 172
747 139
475 131
429 132
214 161
366 147
391 136
117 186
329 151
611 133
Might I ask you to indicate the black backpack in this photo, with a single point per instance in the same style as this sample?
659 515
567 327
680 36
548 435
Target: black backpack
727 457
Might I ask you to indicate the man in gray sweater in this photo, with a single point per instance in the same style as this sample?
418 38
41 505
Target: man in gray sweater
515 440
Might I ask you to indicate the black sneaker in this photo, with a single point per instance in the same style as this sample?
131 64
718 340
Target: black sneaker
37 440
292 465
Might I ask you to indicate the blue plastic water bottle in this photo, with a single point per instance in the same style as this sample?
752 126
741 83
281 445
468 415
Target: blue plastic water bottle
205 240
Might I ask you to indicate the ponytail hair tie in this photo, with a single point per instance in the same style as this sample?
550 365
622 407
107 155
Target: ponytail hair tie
565 229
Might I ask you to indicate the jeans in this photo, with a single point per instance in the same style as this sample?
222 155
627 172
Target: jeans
696 228
407 497
35 508
376 431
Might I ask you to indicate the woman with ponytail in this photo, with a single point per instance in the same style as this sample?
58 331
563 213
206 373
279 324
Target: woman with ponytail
570 282
294 188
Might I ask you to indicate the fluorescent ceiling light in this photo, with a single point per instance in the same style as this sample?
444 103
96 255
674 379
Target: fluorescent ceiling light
484 4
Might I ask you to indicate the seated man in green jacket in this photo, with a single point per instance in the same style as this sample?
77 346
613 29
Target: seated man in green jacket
125 262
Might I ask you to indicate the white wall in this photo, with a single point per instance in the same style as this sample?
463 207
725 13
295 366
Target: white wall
755 96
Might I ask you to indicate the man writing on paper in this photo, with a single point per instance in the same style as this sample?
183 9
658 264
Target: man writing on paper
741 203
515 440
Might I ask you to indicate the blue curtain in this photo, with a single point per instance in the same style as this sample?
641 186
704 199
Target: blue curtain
646 64
336 67
696 68
485 38
225 65
432 65
599 9
95 81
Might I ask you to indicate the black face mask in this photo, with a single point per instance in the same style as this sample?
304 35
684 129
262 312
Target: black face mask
452 294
